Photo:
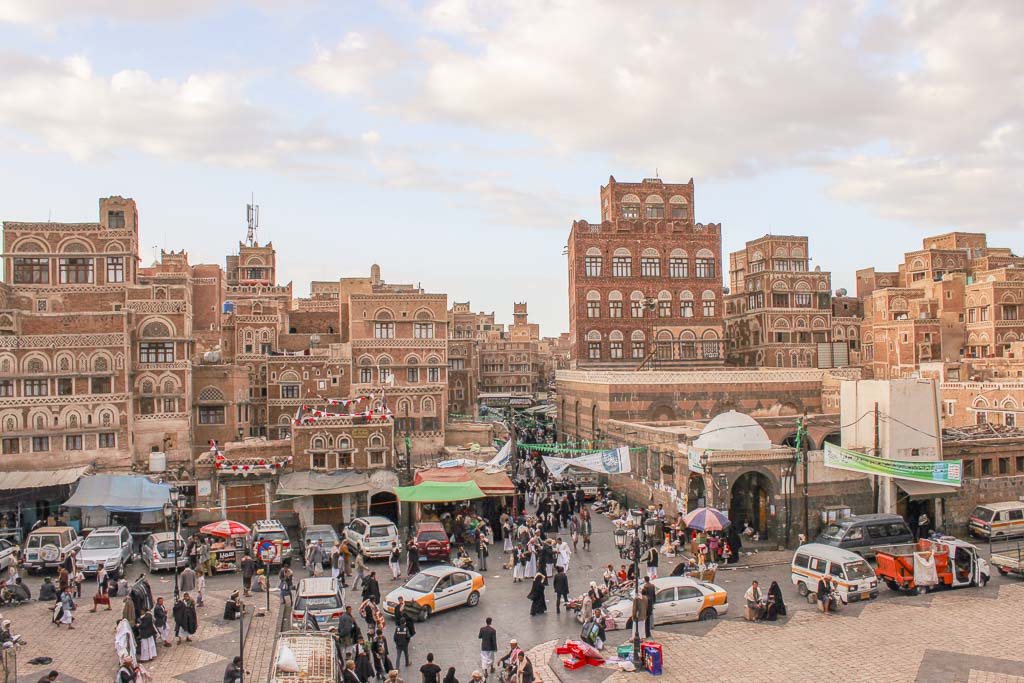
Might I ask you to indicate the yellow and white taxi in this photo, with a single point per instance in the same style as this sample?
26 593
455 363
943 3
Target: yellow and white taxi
677 598
436 589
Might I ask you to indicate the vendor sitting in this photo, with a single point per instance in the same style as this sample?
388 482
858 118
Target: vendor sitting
260 584
233 607
47 592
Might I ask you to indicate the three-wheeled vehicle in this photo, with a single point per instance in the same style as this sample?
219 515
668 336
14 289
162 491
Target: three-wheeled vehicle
908 566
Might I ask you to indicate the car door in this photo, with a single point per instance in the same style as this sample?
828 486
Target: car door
148 548
126 547
443 593
462 586
6 553
666 607
691 602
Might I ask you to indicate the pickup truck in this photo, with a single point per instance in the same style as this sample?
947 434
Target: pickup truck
1008 559
314 653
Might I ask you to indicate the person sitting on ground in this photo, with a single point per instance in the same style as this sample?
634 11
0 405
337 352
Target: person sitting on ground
47 592
754 597
776 606
824 593
233 607
19 591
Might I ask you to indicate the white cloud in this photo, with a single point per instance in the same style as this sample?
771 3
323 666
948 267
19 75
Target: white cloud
48 11
204 117
353 66
913 108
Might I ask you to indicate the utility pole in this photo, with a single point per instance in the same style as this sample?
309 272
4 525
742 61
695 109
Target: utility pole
877 453
801 433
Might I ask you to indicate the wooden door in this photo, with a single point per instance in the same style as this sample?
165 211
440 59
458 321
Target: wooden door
328 509
246 503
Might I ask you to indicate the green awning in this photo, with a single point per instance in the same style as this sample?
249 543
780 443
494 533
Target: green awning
439 492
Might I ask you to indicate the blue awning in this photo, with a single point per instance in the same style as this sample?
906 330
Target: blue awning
119 493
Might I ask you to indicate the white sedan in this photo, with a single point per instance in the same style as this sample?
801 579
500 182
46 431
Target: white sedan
436 589
677 598
8 553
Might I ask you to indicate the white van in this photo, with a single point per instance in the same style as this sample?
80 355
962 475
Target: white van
851 573
372 536
997 520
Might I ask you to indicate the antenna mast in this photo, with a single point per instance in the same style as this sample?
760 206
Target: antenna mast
252 217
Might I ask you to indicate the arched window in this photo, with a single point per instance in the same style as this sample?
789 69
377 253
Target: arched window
106 418
168 386
427 405
100 364
34 365
679 207
9 424
211 394
655 207
146 387
40 422
317 443
631 206
344 444
156 328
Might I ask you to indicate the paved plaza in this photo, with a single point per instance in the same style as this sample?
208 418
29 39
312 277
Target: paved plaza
969 635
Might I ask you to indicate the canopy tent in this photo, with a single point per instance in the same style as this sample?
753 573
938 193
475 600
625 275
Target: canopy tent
439 492
309 483
492 481
12 481
921 490
120 493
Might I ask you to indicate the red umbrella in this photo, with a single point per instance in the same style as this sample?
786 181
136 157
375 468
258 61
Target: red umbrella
225 529
707 519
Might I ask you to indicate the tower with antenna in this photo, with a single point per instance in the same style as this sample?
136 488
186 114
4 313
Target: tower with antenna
252 218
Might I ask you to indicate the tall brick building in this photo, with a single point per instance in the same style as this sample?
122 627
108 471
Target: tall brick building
778 311
645 283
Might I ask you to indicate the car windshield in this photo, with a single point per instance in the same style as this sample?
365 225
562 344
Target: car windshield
316 602
274 535
102 542
984 514
322 535
833 531
431 536
380 531
421 583
165 547
43 539
856 571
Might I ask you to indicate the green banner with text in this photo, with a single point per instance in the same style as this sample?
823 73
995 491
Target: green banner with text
945 472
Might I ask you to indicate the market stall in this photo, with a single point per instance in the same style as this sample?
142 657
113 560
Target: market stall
226 553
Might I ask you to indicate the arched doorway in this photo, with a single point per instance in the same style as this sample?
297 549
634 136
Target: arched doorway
695 493
791 441
751 496
835 438
385 504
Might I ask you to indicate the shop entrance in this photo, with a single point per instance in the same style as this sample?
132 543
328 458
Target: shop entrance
246 503
749 503
385 504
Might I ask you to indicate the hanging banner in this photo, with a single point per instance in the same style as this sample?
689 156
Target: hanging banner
503 455
610 462
945 472
693 459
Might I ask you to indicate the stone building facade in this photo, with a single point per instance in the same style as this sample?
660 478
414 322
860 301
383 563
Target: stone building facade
645 282
778 311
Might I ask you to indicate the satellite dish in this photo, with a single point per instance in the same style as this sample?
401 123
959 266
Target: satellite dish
841 291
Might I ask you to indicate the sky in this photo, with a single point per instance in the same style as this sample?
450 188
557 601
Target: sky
454 142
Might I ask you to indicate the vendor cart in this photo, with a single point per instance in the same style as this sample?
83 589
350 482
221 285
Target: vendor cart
224 556
947 562
226 553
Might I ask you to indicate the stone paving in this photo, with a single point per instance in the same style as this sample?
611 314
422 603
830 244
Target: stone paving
958 636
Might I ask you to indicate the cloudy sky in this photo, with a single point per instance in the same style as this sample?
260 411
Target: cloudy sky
454 141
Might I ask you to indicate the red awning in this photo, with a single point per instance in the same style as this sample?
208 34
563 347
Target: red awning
495 483
442 474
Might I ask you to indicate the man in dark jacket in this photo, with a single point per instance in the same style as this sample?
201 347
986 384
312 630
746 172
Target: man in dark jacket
561 584
488 647
233 674
371 589
404 631
648 593
824 589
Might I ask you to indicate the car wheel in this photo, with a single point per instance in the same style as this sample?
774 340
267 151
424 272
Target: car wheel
801 588
982 580
893 586
474 599
1002 571
708 614
425 614
920 590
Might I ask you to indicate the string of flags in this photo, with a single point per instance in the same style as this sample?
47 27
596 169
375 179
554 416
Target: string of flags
371 415
222 463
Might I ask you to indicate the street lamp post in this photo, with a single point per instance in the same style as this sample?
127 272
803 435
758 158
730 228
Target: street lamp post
705 464
643 535
173 510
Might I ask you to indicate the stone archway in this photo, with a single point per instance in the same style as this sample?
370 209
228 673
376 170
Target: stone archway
384 504
750 501
791 441
834 438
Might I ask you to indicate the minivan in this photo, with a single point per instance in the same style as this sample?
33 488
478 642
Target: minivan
860 533
997 520
322 597
371 536
48 546
850 572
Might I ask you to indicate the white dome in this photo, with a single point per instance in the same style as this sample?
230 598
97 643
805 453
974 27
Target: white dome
733 431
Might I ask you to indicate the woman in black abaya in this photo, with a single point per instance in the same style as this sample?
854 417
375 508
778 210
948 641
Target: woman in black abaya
538 605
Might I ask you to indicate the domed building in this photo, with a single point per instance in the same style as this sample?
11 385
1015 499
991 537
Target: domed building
733 431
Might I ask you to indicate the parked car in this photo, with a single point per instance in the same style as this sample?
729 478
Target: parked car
107 546
324 533
8 553
997 520
432 542
371 536
273 531
436 589
860 533
676 598
853 576
321 596
159 551
48 546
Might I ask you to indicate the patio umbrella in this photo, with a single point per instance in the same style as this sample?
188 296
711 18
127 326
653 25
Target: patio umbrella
707 519
225 529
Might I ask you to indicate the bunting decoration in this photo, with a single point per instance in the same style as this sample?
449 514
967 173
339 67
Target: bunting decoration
371 415
221 462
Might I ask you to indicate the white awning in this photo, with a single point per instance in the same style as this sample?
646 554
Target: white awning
308 483
922 490
11 481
